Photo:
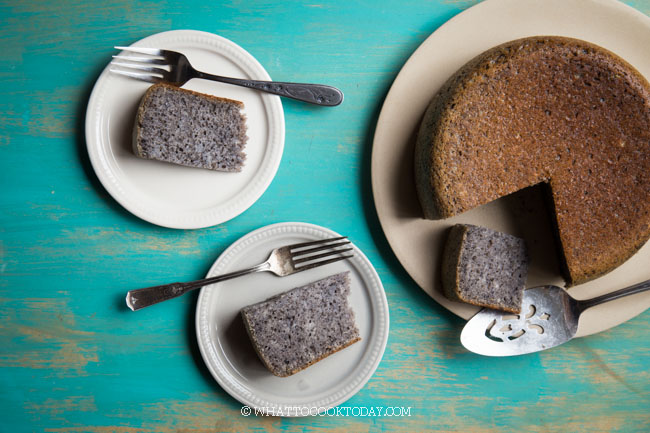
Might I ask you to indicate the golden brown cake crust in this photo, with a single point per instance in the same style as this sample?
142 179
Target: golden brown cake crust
546 110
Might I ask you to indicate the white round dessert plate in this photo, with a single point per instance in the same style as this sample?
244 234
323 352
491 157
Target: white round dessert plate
171 195
229 354
418 243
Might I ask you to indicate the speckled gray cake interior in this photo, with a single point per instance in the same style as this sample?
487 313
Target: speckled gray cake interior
485 267
188 128
297 328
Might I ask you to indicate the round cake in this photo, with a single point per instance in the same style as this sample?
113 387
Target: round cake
545 110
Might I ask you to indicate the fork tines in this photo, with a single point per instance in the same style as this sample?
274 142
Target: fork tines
149 78
301 253
143 50
131 60
140 67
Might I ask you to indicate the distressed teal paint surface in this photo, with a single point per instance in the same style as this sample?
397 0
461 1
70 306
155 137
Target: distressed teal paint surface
73 359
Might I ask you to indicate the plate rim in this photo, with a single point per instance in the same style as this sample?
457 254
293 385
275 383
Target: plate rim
464 311
373 353
216 214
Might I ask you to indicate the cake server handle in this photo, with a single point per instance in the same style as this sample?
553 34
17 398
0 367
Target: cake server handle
141 298
584 304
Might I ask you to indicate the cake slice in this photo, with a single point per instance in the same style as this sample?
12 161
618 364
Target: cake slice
295 329
484 267
190 128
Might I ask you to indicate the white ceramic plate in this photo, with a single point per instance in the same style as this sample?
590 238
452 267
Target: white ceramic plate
230 356
417 243
175 196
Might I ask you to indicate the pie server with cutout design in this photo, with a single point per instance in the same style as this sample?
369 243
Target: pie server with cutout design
549 317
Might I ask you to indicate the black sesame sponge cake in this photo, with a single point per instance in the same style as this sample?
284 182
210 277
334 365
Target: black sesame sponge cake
189 128
546 110
484 267
295 329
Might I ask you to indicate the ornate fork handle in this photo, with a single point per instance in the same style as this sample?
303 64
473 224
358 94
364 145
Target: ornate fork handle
140 298
314 93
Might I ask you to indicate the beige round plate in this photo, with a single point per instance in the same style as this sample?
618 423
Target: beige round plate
418 242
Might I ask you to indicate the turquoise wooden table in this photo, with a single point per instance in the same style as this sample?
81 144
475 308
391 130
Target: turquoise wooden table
72 358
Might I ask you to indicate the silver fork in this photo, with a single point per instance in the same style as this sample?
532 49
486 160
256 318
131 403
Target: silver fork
174 68
282 261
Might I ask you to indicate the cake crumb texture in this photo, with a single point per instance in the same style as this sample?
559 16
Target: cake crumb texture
189 128
295 329
484 267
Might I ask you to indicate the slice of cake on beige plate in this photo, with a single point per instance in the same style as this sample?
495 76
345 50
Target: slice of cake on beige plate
298 328
546 110
484 267
189 128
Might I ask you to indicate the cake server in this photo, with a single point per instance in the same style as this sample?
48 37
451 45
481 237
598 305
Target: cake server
548 318
174 68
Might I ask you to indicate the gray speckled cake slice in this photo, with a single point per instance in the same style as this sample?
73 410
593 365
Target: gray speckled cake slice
484 267
295 329
190 128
